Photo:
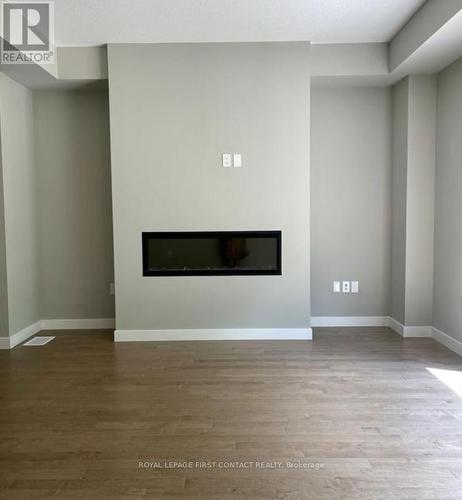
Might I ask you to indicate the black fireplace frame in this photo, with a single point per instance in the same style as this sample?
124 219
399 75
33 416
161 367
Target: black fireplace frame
146 236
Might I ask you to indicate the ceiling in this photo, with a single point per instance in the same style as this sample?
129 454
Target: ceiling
95 22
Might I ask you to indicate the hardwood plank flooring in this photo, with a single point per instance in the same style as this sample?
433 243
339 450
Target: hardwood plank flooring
358 407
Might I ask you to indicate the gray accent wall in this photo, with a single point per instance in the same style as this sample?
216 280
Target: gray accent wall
19 179
174 110
350 199
447 313
74 204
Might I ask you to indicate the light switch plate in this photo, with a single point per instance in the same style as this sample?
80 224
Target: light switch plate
346 287
355 287
336 287
227 160
237 160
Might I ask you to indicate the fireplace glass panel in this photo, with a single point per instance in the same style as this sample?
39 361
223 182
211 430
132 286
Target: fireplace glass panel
212 253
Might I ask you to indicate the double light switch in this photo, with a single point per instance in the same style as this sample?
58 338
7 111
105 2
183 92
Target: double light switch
232 160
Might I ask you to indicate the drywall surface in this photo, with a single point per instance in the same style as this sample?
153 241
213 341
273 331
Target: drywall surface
4 327
20 207
399 199
82 63
447 311
350 199
420 200
414 122
175 108
74 200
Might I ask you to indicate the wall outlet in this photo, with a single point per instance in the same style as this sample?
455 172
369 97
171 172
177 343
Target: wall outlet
355 287
227 160
346 287
111 288
336 287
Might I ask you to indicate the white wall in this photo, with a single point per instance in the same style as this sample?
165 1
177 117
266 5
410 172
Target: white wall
350 199
447 313
174 110
19 178
74 209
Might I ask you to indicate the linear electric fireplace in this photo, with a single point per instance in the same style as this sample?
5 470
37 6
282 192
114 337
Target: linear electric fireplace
212 253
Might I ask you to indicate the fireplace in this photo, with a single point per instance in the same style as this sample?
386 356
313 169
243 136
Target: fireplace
212 253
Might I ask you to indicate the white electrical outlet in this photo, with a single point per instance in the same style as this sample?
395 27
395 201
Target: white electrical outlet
346 287
355 287
336 287
227 160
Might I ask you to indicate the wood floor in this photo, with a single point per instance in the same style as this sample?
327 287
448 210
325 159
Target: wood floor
357 407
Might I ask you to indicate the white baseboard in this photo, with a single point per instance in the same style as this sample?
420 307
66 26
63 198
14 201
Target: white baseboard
78 324
447 341
418 332
55 324
231 334
410 331
21 336
396 326
215 334
371 321
24 334
345 321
